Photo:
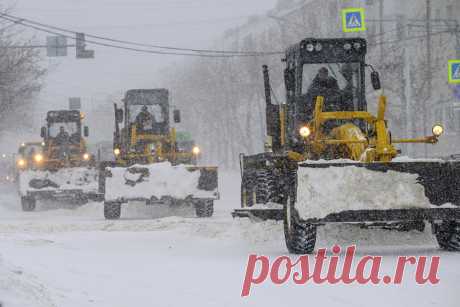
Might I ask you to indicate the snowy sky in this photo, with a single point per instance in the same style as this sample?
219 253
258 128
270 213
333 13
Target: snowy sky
184 23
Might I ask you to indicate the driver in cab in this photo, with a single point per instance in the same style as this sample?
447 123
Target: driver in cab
62 137
145 120
326 86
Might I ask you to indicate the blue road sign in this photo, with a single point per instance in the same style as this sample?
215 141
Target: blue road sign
353 20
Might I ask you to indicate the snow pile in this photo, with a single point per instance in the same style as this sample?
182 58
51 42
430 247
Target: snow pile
163 180
321 191
76 178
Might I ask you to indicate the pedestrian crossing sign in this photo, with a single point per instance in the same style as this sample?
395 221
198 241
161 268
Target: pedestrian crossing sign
353 20
454 71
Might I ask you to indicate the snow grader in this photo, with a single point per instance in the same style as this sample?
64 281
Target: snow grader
149 166
329 160
59 167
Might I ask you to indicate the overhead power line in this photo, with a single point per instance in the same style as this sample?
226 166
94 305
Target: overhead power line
190 51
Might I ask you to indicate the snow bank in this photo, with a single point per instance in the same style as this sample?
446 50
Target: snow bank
321 192
77 178
163 180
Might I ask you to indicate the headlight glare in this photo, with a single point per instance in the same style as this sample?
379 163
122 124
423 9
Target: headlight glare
196 150
438 130
38 158
304 132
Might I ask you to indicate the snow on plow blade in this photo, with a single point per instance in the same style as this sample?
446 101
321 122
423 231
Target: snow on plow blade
157 181
395 191
59 183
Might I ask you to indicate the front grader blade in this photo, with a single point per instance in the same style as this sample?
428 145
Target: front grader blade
63 184
344 191
378 192
157 182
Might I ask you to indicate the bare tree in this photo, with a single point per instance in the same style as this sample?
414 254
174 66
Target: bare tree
21 75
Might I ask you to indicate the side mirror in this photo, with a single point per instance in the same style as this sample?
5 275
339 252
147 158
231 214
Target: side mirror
119 115
176 116
289 79
43 132
375 79
86 131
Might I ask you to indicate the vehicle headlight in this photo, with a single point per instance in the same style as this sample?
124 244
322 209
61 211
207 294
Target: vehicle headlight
116 151
347 46
318 47
21 162
310 47
438 130
305 132
196 150
38 158
86 156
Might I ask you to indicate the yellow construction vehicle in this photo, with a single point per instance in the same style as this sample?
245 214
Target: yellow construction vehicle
188 152
28 154
329 160
59 167
149 165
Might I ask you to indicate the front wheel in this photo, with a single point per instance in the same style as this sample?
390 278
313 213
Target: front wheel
300 237
28 203
204 208
112 211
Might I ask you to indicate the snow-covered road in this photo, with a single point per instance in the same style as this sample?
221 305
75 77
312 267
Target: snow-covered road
73 257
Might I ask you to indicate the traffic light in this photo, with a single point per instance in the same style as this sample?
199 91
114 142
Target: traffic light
81 52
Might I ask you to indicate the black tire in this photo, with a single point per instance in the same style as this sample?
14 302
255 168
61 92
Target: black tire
28 203
204 208
448 235
266 187
112 211
247 195
300 237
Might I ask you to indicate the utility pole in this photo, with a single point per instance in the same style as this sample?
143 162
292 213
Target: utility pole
381 10
428 71
404 79
457 38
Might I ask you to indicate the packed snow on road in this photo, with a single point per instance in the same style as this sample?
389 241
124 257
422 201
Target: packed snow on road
71 256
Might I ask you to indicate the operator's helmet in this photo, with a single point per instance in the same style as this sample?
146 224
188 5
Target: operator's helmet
144 109
323 73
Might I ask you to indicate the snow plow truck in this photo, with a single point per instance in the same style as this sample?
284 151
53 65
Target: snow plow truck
60 167
148 165
328 160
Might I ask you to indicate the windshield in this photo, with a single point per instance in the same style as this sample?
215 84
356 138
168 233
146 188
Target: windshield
337 82
150 113
71 128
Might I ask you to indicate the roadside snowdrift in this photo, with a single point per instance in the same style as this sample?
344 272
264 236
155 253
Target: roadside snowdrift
321 192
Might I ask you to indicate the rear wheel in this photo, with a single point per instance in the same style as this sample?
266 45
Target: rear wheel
448 235
204 208
248 195
300 237
112 211
28 203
